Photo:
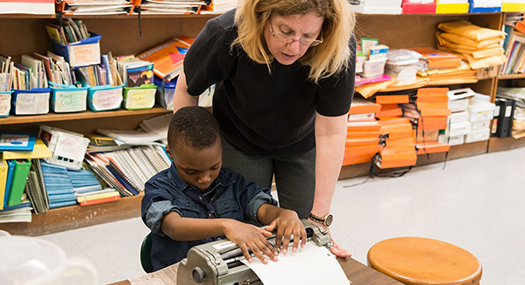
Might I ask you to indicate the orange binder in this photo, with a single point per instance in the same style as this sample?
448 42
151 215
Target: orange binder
396 159
389 110
351 135
432 147
403 141
361 106
393 121
432 95
432 105
353 142
372 126
391 99
360 154
438 59
398 131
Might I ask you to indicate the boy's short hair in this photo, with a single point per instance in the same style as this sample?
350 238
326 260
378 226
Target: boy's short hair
194 126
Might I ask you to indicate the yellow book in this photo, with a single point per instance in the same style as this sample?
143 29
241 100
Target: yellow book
3 178
40 150
97 196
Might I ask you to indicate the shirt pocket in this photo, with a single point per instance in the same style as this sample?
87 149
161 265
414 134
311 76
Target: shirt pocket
190 209
229 208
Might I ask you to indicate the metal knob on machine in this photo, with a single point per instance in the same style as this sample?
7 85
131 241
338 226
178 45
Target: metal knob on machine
198 274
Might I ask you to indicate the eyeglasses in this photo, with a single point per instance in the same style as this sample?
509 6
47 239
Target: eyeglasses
289 40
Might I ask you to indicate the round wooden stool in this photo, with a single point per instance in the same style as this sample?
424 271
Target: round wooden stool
415 261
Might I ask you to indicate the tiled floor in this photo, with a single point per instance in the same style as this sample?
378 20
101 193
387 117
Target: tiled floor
476 203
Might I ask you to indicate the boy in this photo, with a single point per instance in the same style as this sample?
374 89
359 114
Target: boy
195 200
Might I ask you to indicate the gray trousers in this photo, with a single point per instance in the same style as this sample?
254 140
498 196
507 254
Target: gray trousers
294 175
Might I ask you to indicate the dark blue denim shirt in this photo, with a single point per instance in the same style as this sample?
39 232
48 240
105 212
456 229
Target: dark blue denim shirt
165 192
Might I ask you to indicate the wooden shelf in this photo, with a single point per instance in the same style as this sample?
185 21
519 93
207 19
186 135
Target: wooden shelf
501 144
52 117
73 217
512 76
171 16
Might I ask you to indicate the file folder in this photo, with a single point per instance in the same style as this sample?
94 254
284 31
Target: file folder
20 175
505 117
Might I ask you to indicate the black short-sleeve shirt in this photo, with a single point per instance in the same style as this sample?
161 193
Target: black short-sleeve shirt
262 113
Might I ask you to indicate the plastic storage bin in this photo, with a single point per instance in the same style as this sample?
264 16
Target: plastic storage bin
452 140
451 7
480 111
139 98
418 8
68 98
104 98
165 91
484 6
373 68
82 53
5 104
31 102
402 64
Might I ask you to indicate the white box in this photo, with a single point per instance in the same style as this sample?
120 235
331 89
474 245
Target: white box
68 148
454 140
478 135
474 126
458 99
458 129
458 117
480 110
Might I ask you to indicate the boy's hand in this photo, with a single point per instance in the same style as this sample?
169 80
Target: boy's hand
247 236
288 224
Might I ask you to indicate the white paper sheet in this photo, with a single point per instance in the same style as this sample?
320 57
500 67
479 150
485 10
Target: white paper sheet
309 265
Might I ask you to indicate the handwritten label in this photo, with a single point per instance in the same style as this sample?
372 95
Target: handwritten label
107 99
71 147
84 54
32 103
70 101
140 98
5 104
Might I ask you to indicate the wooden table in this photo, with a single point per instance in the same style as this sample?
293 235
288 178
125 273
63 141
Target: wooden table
355 271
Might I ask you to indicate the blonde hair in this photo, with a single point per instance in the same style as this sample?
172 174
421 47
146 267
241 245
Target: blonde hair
324 60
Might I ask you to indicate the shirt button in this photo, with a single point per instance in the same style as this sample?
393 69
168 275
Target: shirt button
188 204
226 206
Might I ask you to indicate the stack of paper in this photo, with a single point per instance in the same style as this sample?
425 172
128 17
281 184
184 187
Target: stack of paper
151 130
171 6
479 46
95 7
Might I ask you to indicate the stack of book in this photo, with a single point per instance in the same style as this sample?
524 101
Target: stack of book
93 7
429 115
399 150
362 139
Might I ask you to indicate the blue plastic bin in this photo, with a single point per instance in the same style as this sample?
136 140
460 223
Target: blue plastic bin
165 91
474 8
104 98
83 53
5 103
68 98
31 102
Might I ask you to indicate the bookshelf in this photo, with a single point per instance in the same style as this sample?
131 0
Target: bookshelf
23 34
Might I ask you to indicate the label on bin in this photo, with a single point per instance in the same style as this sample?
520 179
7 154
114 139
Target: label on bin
70 101
140 98
107 99
5 104
84 54
32 103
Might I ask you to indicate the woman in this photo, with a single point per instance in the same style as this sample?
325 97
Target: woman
282 69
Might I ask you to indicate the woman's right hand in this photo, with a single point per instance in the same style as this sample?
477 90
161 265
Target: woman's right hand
249 237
